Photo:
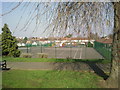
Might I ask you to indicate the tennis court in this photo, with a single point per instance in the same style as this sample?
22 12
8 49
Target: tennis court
56 52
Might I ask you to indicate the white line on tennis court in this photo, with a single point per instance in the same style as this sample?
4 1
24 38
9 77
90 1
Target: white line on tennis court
61 53
81 54
76 53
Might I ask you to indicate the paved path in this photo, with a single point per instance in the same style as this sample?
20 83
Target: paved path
79 66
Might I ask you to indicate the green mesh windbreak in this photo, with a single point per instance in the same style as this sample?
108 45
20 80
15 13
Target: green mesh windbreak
104 49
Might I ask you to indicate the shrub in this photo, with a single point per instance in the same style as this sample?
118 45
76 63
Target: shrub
42 55
26 55
15 53
90 44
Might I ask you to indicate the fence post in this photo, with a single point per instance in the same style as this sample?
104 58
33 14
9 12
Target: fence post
41 47
70 48
27 48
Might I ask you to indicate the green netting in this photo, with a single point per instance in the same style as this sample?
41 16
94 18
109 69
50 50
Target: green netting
28 45
104 49
47 45
43 45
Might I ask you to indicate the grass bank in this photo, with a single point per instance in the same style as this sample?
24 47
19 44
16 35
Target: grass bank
18 59
49 79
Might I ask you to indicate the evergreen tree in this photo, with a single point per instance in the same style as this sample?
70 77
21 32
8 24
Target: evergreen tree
69 36
25 40
9 43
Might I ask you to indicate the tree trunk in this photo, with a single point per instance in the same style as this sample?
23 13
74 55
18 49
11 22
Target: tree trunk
114 78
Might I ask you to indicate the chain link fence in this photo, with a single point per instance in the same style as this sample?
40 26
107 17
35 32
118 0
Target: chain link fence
66 52
104 49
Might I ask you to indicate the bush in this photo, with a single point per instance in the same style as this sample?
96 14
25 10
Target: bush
90 44
17 54
42 55
26 55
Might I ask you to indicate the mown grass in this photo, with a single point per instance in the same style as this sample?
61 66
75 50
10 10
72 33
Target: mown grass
49 79
19 59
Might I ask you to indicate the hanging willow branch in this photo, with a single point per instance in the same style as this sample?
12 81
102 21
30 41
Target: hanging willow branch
73 17
12 8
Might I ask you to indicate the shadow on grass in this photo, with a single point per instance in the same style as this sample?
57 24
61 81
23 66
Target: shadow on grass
81 65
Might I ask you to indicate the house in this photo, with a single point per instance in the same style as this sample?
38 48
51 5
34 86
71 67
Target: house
19 44
28 42
105 41
22 44
34 44
72 41
57 41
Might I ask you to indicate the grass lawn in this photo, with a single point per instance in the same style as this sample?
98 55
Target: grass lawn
18 59
49 79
